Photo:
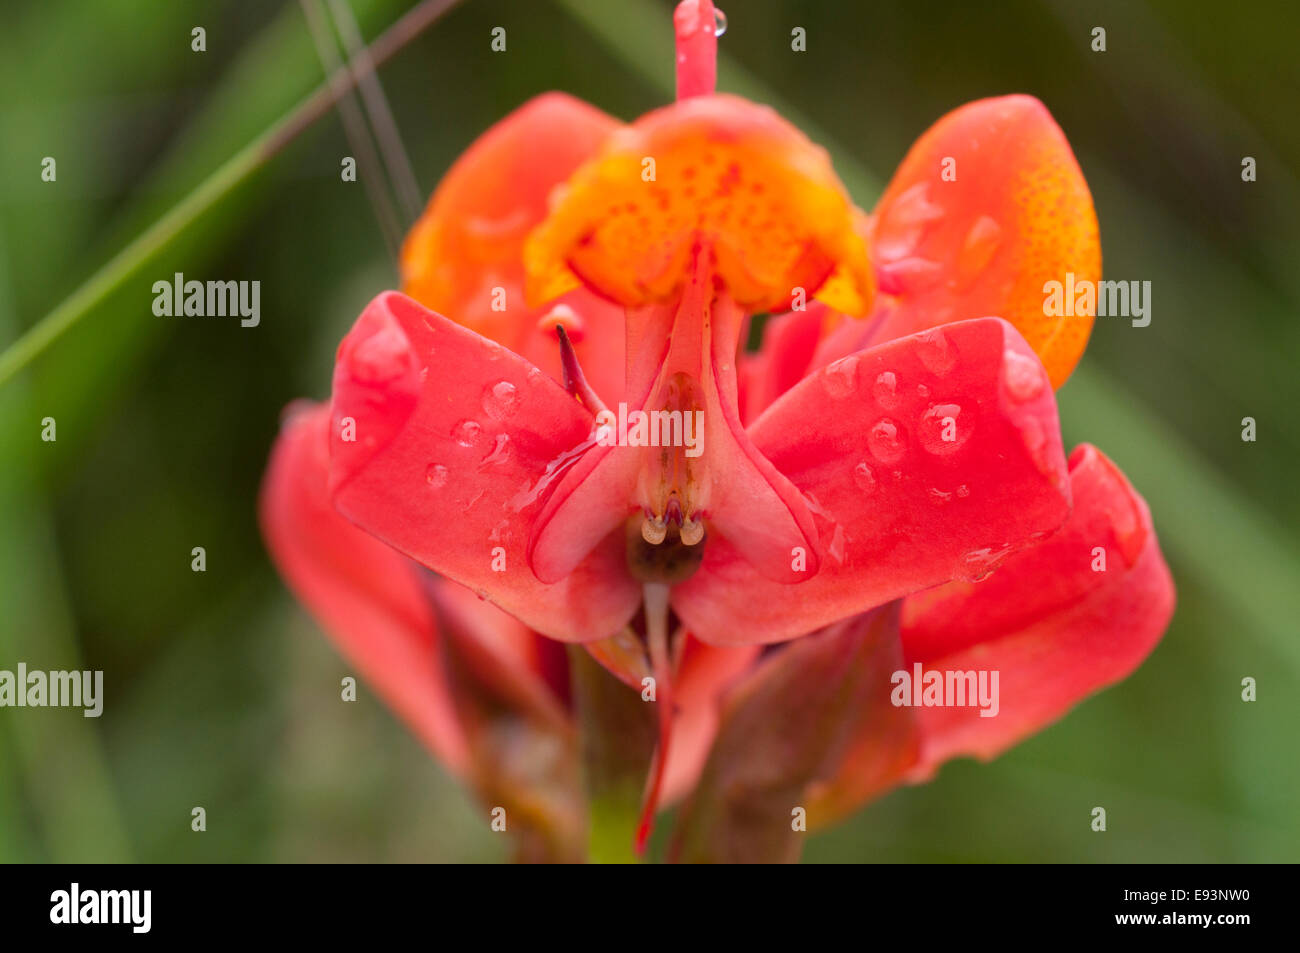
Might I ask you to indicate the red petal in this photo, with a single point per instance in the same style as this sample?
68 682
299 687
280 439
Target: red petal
504 654
366 596
704 674
457 443
899 508
1054 629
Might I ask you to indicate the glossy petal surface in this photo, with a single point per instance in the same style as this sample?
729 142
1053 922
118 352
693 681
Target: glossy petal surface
925 459
457 442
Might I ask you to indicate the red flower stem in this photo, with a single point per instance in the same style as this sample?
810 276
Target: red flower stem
697 48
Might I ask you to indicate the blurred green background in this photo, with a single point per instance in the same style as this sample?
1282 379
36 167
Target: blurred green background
220 690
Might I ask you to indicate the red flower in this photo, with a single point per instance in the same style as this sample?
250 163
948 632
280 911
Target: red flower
850 463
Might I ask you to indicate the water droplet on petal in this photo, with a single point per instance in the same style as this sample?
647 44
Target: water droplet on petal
864 478
908 275
940 497
500 399
963 491
1024 376
436 475
467 433
936 351
500 452
944 428
885 442
922 391
981 243
719 22
380 358
1035 441
842 377
836 548
885 390
905 222
981 562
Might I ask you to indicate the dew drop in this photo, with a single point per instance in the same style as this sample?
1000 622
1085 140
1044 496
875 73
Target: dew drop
467 433
922 391
381 358
719 22
981 243
963 491
1035 440
940 497
936 352
500 399
944 428
885 442
864 478
842 377
885 390
983 561
908 275
905 222
1024 376
914 206
500 452
836 548
436 475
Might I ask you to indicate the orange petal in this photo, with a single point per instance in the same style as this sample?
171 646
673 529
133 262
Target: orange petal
473 231
1017 215
714 171
464 257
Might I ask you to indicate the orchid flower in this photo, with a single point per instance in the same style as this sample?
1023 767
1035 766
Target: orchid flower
895 438
478 465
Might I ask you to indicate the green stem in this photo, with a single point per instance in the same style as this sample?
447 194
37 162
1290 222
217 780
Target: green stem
618 735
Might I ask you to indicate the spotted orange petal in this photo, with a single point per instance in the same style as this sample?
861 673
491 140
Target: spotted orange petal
988 206
715 172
